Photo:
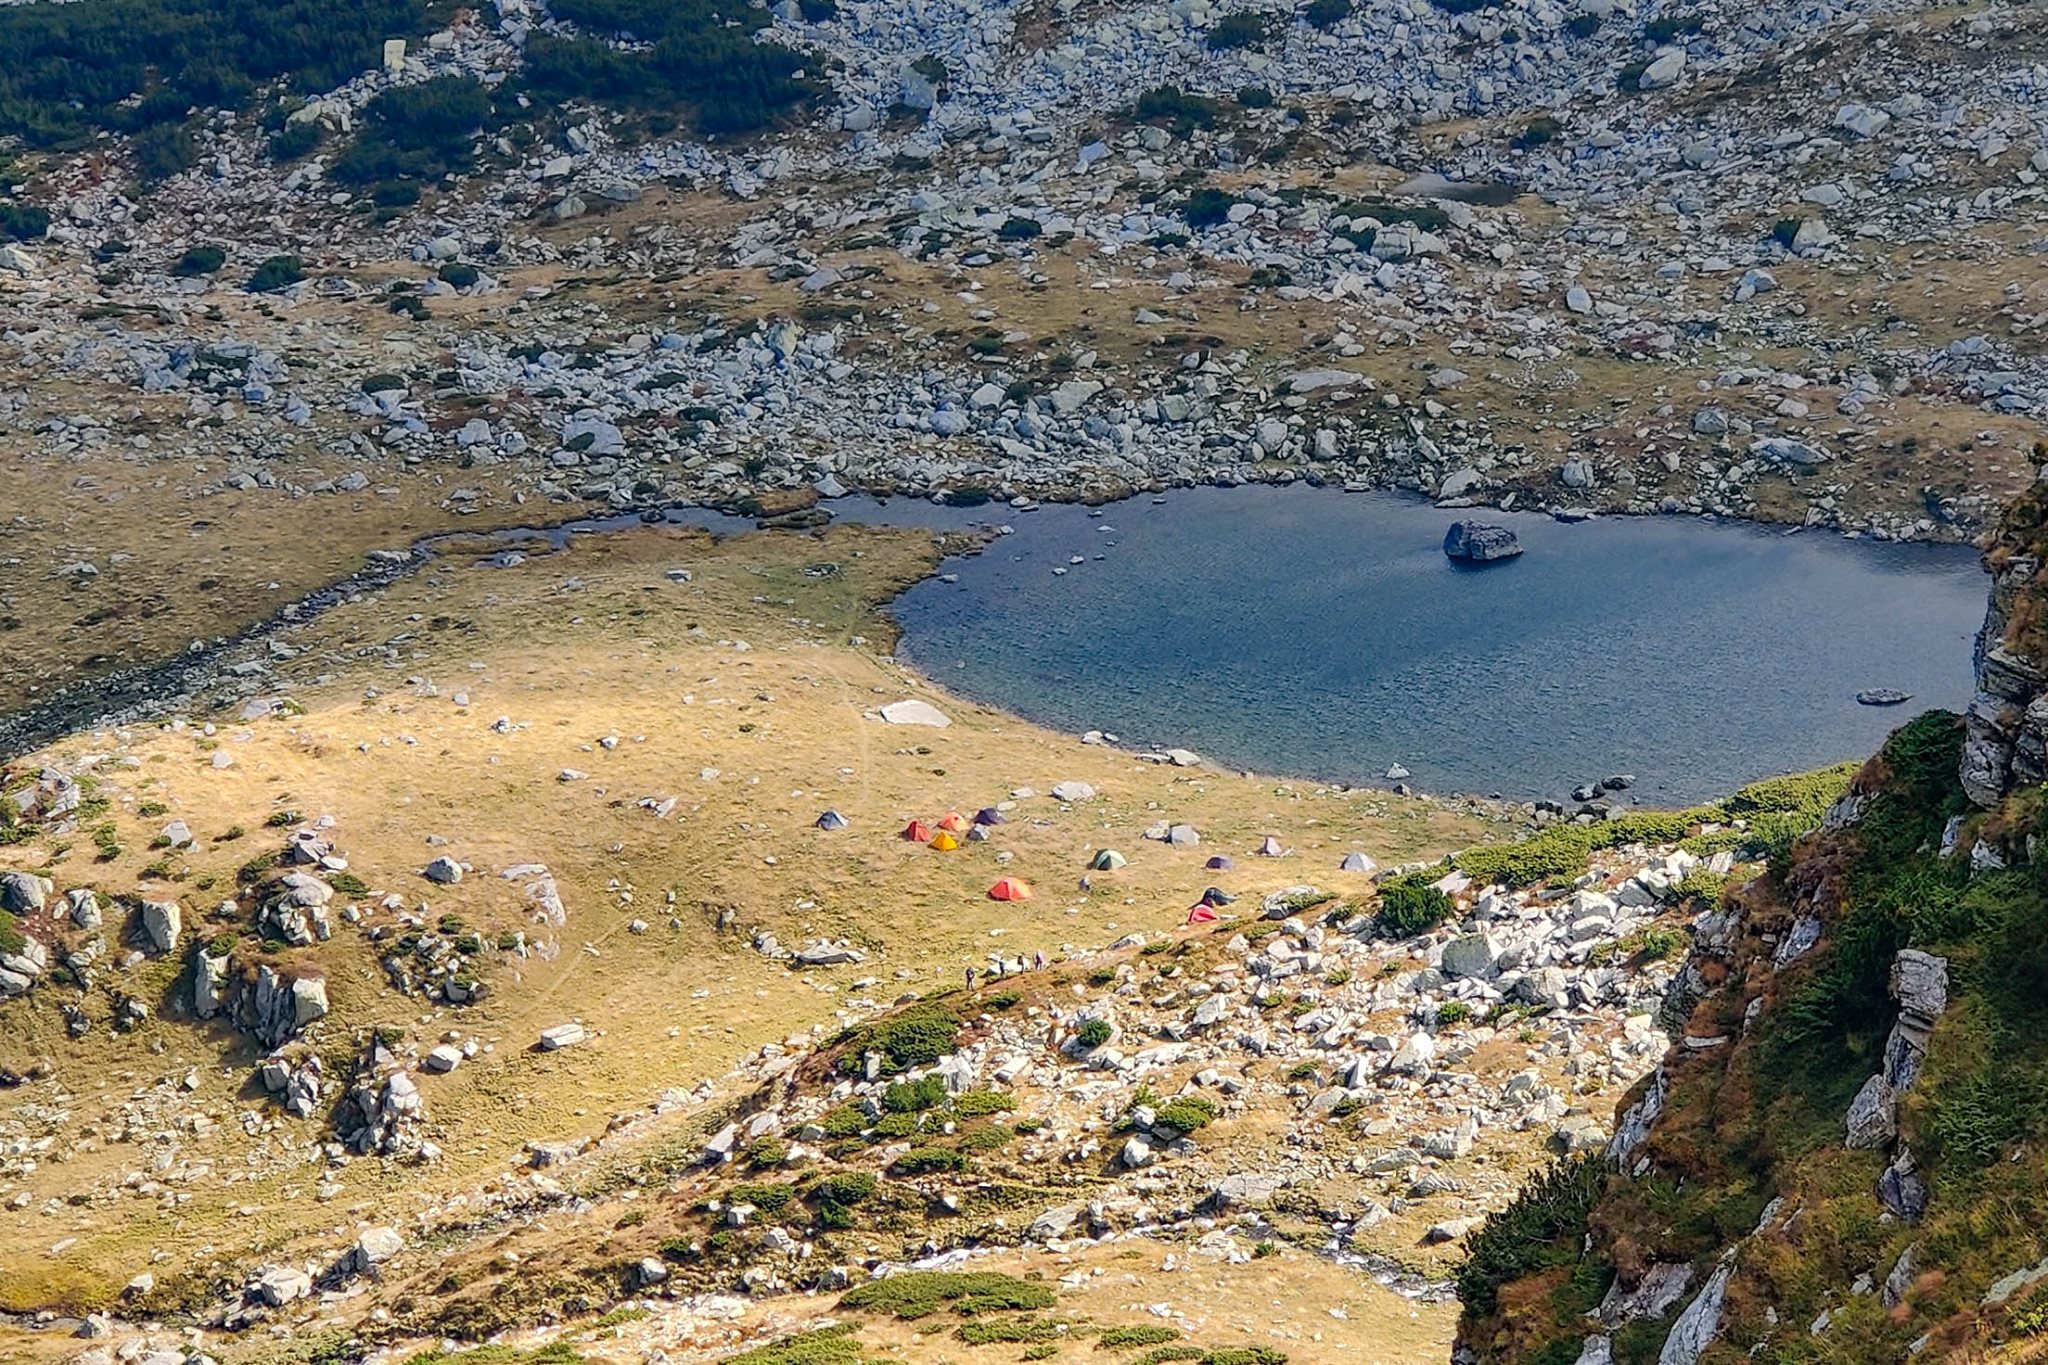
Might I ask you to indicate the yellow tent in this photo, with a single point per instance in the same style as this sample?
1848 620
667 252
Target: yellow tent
945 843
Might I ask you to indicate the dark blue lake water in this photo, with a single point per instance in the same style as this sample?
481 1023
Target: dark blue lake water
1325 635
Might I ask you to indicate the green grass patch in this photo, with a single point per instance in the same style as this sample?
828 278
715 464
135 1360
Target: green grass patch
917 1294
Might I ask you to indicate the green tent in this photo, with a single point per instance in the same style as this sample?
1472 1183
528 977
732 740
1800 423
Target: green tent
1108 860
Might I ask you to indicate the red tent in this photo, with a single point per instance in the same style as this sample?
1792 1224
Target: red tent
1010 889
1203 913
953 823
917 832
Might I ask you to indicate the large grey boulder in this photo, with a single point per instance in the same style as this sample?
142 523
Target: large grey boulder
1475 955
1480 543
209 983
24 893
162 921
1246 1190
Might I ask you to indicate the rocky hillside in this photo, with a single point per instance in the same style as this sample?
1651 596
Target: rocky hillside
1839 1159
1678 259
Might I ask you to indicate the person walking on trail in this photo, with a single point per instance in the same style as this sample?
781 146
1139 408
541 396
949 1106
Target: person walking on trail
970 978
1038 959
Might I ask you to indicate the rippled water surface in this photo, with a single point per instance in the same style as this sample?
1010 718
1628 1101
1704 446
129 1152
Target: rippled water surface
1324 634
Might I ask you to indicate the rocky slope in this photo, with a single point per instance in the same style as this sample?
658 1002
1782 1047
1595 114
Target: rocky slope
1839 1160
1652 259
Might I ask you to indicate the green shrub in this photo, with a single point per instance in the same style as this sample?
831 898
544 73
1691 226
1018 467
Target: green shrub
914 1294
416 133
766 1152
296 140
843 1188
1093 1033
1137 1334
161 151
1189 1113
979 1103
279 272
1543 1226
700 60
1452 1012
1237 31
1666 27
769 1198
1208 206
130 66
1538 131
1173 105
844 1122
834 1345
929 1161
1255 97
1017 229
1009 1331
889 1127
910 1097
1410 905
23 222
1327 13
919 1036
458 275
199 260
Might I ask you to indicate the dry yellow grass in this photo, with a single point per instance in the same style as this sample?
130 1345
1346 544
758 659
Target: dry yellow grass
576 647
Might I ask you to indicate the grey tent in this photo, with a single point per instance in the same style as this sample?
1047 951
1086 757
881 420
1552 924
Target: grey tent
977 834
1271 848
989 815
1222 862
1357 862
1107 860
1217 896
832 819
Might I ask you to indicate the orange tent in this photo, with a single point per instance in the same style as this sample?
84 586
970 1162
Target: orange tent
1203 913
917 832
1010 889
954 822
945 843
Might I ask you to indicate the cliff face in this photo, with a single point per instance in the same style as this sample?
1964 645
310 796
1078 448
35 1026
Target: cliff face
1841 1159
2007 744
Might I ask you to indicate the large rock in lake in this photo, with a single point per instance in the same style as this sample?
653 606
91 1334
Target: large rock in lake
1479 542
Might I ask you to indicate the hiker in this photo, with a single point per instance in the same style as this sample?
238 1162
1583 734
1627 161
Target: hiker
970 978
1038 959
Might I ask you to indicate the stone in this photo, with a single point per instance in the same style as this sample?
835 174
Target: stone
443 871
24 893
282 1285
915 712
1873 1115
442 1059
1072 791
561 1036
161 924
374 1247
1475 955
1665 70
1699 1324
1246 1190
1480 543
